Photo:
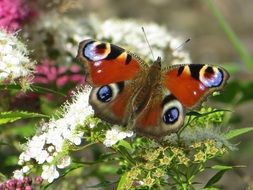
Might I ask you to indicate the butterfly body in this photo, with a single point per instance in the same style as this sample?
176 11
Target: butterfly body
150 99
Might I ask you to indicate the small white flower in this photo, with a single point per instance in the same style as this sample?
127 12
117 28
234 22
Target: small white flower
50 148
14 59
25 169
54 137
50 159
116 134
45 148
35 148
49 173
18 174
42 157
64 162
23 157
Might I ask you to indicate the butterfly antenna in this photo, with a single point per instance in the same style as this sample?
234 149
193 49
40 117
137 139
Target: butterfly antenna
146 39
182 44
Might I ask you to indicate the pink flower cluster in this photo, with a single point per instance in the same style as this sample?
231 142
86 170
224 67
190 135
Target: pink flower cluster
20 184
56 77
13 13
50 74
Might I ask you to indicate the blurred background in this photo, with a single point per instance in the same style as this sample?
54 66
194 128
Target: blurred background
209 45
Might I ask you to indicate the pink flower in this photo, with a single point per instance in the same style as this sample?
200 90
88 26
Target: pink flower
13 13
49 73
58 77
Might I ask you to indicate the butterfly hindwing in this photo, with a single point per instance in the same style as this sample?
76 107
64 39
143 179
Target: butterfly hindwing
192 83
163 114
106 63
113 102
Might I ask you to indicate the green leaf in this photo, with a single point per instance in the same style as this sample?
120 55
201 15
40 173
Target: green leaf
194 113
10 87
125 144
122 182
40 89
221 171
9 117
198 114
237 132
215 178
221 167
125 154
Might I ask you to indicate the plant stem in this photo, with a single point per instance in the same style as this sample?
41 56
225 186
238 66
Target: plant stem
83 147
245 56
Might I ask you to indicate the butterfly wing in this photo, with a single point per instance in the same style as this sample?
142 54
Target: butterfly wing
115 75
191 84
162 115
181 86
113 102
106 63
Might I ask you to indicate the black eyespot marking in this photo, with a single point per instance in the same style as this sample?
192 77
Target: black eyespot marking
209 70
195 68
120 86
115 52
104 94
180 70
167 99
128 59
101 46
171 115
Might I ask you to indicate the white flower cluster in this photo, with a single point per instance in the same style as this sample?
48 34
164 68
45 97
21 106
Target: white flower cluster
115 134
63 32
128 33
67 32
49 144
14 60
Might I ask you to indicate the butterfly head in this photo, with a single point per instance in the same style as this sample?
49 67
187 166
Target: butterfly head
157 62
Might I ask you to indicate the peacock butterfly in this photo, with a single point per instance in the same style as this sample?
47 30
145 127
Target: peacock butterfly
151 99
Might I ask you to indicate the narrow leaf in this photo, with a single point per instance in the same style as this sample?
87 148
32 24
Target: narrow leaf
122 182
41 89
221 167
237 132
9 117
215 178
125 144
125 153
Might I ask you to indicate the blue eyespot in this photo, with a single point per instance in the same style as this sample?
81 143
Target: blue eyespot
104 94
171 115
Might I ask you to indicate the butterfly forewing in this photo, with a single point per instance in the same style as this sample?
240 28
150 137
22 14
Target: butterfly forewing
107 63
190 84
